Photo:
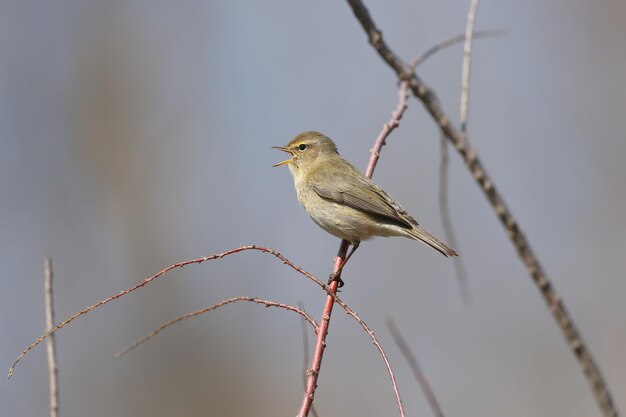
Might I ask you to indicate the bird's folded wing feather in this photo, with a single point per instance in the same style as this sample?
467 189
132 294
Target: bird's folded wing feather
359 192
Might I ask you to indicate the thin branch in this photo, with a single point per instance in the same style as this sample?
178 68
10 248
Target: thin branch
479 34
417 370
390 126
53 368
444 206
446 221
320 345
266 303
379 347
560 314
467 63
327 288
149 280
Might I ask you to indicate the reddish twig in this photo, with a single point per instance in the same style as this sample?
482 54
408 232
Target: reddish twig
266 303
320 345
152 278
53 368
417 370
329 289
394 122
552 299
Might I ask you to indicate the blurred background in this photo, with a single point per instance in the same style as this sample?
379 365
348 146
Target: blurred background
136 134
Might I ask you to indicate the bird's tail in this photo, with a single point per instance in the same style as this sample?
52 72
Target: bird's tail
420 234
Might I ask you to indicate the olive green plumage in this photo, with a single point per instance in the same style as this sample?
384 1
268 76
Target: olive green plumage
343 201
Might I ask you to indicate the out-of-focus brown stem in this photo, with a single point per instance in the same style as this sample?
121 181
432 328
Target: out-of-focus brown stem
53 368
415 367
320 344
553 300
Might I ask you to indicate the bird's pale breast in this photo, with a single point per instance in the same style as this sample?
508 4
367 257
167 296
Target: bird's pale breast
343 221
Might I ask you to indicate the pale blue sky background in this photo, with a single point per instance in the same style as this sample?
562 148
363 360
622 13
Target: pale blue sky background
137 133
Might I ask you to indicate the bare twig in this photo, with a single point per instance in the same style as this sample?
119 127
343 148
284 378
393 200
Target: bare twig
393 123
444 206
417 370
320 345
266 303
430 101
53 368
152 278
446 221
467 63
452 41
326 288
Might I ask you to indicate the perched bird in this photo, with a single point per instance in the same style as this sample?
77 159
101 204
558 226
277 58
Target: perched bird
343 201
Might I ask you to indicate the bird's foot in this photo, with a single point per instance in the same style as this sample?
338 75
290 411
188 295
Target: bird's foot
336 276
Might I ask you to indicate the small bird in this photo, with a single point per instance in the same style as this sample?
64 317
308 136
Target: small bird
343 201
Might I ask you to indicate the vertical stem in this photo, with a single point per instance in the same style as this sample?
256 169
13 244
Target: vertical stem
320 343
53 369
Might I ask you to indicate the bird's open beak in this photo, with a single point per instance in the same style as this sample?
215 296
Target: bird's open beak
281 148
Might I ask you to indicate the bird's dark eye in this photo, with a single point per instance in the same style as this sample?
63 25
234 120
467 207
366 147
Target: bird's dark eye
302 146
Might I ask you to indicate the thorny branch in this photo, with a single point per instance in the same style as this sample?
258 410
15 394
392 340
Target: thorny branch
470 157
149 280
284 260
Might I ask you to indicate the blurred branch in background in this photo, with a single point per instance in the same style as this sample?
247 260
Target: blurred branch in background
305 357
444 206
414 365
461 143
53 368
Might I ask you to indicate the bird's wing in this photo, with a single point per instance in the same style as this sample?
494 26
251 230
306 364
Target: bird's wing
359 192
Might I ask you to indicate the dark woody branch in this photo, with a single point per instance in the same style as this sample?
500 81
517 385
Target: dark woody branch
460 142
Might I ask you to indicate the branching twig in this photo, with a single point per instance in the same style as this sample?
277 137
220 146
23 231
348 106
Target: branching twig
320 345
266 303
470 157
417 370
452 41
327 288
53 368
152 278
